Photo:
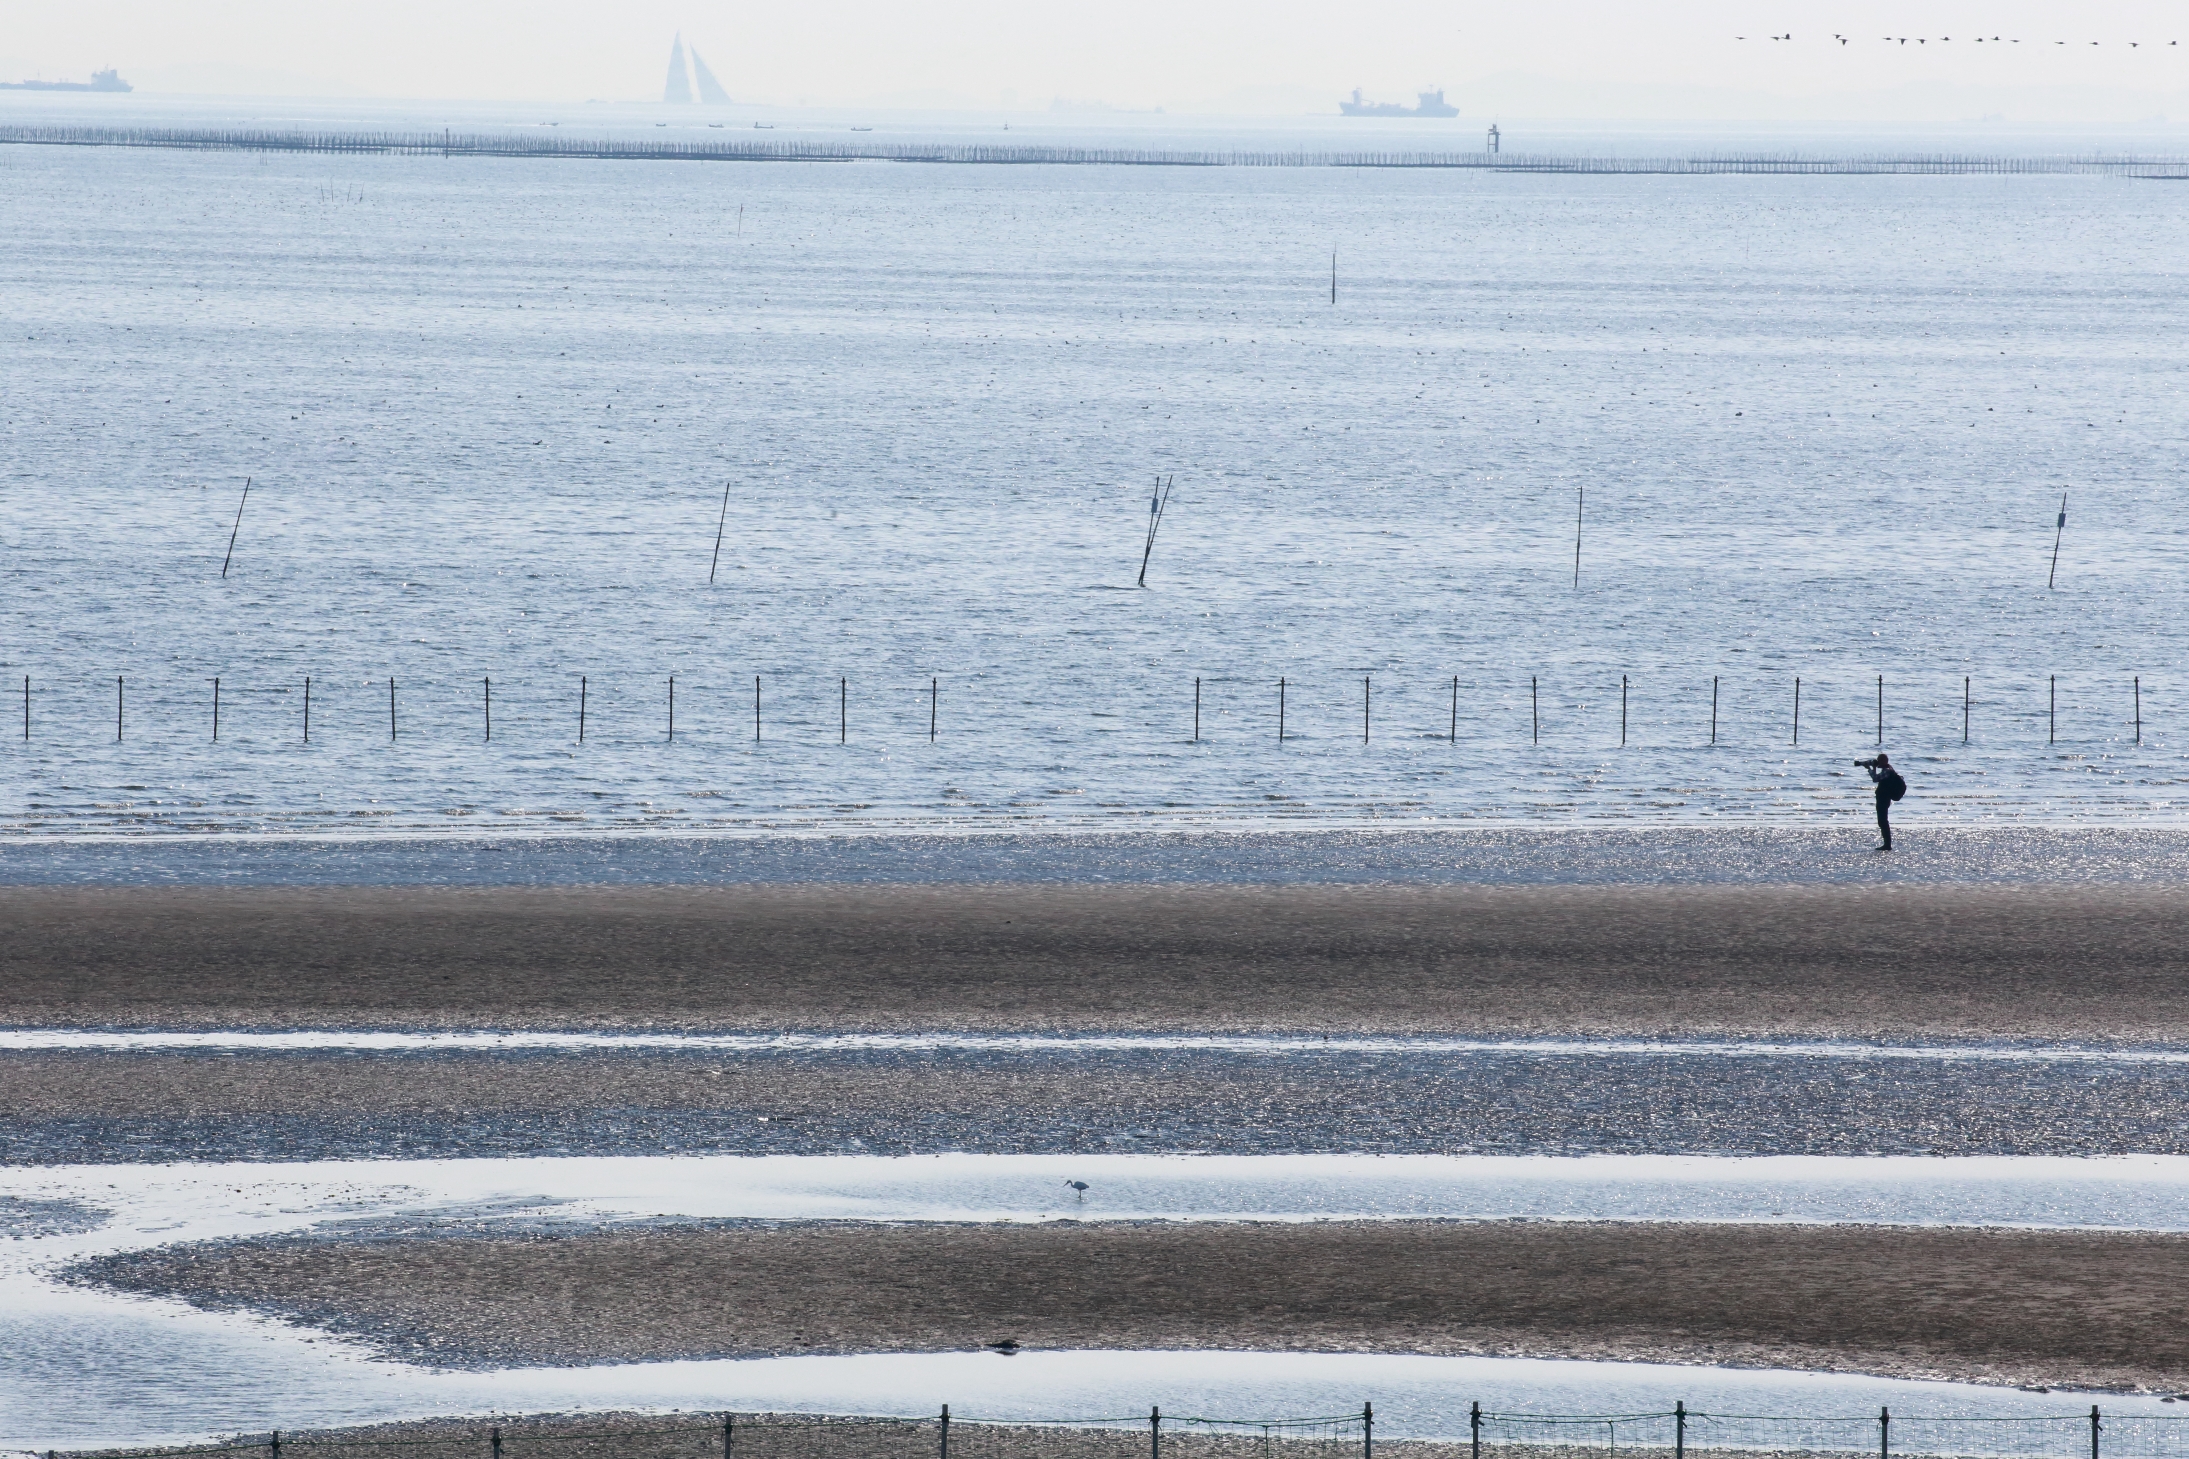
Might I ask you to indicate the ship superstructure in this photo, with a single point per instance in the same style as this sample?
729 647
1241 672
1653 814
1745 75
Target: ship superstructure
107 80
1431 103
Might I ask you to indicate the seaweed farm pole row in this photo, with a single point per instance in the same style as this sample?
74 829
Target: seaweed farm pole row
2131 705
977 154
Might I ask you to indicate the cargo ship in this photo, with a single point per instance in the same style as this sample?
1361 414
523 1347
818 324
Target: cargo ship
1432 104
106 80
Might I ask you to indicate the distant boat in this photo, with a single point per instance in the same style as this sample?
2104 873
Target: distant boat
862 129
105 80
1432 104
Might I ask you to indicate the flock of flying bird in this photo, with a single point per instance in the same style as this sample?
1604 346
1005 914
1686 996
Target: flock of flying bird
1943 39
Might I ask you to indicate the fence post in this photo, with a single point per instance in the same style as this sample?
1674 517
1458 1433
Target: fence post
729 1434
1368 1431
946 1431
273 1444
494 1437
1679 1429
1884 1433
1474 1427
2093 1431
1155 1433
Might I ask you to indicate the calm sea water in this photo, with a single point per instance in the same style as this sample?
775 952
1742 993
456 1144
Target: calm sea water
489 409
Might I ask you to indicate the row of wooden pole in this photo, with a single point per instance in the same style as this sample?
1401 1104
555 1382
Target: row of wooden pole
1535 713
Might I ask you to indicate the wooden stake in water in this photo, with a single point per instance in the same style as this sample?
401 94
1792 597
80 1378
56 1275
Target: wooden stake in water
581 709
1455 709
488 701
1197 709
672 708
1280 711
117 709
216 709
307 709
391 711
2059 530
756 709
1713 709
1364 709
1333 276
2139 709
238 527
1535 714
1964 709
843 711
934 703
1797 712
1580 499
2052 713
1156 505
26 706
1881 709
720 523
1622 711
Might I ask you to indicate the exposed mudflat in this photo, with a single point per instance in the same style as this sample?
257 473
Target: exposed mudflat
2089 1309
1896 962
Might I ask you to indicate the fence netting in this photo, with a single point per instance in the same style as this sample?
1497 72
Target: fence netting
1478 1434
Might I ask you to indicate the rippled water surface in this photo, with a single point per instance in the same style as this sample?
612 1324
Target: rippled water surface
489 409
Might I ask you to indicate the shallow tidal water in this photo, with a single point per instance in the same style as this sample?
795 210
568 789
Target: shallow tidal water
489 408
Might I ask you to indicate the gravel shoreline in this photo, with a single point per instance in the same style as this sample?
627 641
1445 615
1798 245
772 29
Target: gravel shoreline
2083 1309
1884 962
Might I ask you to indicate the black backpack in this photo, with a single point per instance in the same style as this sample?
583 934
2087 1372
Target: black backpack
1893 786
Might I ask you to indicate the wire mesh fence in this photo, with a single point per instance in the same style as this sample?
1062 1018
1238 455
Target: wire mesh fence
1481 1434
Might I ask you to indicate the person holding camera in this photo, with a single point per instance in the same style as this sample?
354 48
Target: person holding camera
1890 787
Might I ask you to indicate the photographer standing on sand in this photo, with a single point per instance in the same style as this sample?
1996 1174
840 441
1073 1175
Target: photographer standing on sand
1890 787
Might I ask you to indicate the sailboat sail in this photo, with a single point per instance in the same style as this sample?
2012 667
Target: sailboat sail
679 88
710 90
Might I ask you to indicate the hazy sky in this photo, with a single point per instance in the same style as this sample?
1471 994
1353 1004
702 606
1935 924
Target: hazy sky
1174 53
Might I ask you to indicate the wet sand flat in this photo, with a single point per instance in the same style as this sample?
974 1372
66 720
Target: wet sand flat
1882 962
2057 1307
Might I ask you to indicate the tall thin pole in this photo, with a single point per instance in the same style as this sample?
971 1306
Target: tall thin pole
1580 498
1155 1433
1797 710
672 706
1535 714
1884 1433
1455 709
117 709
1197 709
1964 709
2139 709
1622 711
26 707
238 527
720 523
1158 504
1364 709
216 709
1368 1431
1713 709
934 703
391 711
307 709
1679 1429
1280 710
2058 531
946 1431
581 709
1474 1428
489 702
1881 709
756 709
843 711
2052 713
1333 276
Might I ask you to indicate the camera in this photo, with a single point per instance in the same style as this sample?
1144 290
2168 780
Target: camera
1866 764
